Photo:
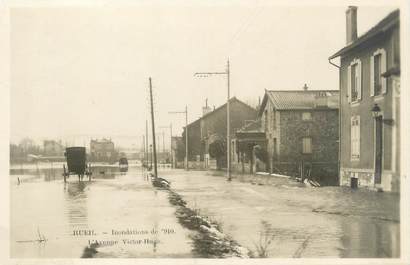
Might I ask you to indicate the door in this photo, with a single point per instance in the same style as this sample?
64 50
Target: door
378 150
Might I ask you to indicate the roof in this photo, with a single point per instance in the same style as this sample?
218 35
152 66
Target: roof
101 141
301 99
384 25
232 100
252 127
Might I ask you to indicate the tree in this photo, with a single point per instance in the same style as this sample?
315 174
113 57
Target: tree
217 148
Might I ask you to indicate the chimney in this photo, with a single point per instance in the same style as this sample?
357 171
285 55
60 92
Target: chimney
206 109
351 24
305 87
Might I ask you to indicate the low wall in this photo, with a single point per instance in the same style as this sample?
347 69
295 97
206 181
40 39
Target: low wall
365 178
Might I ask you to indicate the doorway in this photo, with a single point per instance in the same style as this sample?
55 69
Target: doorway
378 166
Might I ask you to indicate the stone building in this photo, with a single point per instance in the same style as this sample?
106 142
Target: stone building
370 104
211 128
301 128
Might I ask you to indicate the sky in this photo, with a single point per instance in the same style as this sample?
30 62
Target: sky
82 72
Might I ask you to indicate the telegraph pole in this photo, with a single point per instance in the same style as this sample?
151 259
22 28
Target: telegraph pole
227 73
228 126
170 146
146 141
153 130
186 137
143 148
163 142
186 133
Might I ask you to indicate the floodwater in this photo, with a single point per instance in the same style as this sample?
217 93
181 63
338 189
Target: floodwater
122 212
300 221
281 216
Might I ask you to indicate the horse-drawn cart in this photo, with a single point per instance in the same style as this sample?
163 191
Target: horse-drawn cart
76 163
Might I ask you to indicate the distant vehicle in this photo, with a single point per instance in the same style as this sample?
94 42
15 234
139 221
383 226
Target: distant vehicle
76 163
123 164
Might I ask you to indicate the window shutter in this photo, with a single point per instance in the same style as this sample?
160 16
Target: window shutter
383 70
358 136
359 80
352 132
349 83
372 75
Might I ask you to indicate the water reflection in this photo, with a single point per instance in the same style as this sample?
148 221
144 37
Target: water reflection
76 204
110 201
370 239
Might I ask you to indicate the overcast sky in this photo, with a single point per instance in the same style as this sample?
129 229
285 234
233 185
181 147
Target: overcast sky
84 71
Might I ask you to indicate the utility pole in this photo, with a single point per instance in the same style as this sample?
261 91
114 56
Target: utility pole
170 143
146 140
153 130
228 126
170 147
186 133
186 137
163 142
143 148
158 144
227 73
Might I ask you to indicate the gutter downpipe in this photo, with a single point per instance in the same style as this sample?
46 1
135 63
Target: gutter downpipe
340 119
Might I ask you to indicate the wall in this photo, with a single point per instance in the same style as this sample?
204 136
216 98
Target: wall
323 129
364 167
271 124
194 140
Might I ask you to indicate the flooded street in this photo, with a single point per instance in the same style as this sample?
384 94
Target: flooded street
115 207
122 213
301 221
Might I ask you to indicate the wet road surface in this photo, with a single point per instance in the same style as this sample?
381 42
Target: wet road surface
42 206
301 221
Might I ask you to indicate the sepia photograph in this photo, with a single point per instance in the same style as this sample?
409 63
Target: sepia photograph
202 130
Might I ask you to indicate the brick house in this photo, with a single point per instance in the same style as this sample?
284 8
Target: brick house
370 101
212 127
301 128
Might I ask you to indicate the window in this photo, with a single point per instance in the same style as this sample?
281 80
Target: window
355 137
306 116
275 147
273 119
377 68
307 145
354 81
266 121
377 77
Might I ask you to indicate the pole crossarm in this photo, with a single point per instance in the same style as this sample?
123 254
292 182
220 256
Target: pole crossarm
228 149
210 73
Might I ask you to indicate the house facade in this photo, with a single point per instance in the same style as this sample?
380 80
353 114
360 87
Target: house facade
370 103
103 151
301 129
211 128
53 148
